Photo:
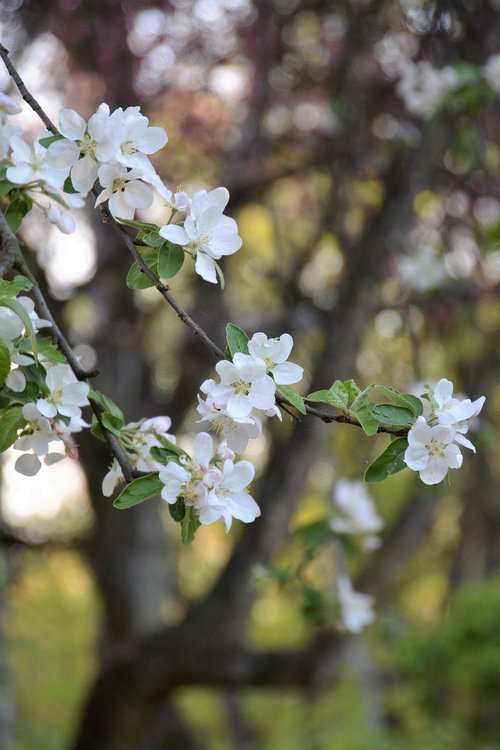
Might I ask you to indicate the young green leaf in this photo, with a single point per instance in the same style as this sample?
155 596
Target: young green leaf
11 420
17 211
136 278
364 415
5 187
170 259
393 415
237 340
4 362
390 461
46 142
163 455
48 348
141 225
406 400
189 525
68 186
362 410
320 397
107 404
293 397
138 490
177 510
112 424
12 288
153 239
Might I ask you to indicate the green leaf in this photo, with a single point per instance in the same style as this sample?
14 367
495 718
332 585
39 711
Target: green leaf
46 142
339 395
170 260
364 415
49 349
414 403
292 396
389 462
405 400
153 239
96 430
177 510
143 226
393 415
112 424
314 535
4 362
11 420
6 186
320 397
107 404
353 390
16 212
237 340
68 187
20 311
163 455
189 525
136 278
12 288
362 410
139 490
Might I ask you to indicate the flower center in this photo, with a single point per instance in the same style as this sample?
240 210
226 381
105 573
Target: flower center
435 448
87 145
242 388
128 147
118 184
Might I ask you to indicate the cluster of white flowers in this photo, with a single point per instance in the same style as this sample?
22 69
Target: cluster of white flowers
206 231
359 515
356 610
138 438
52 419
247 389
423 87
212 482
112 150
434 439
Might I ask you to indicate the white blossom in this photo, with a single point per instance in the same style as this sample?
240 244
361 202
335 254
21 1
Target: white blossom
8 106
424 87
112 478
356 609
275 352
432 451
244 386
84 146
124 191
31 165
66 393
136 138
228 498
206 231
360 515
491 72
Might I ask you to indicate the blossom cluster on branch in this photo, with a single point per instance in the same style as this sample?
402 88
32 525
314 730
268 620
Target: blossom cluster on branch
43 388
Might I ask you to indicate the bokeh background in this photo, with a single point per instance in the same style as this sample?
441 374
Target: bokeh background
372 234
